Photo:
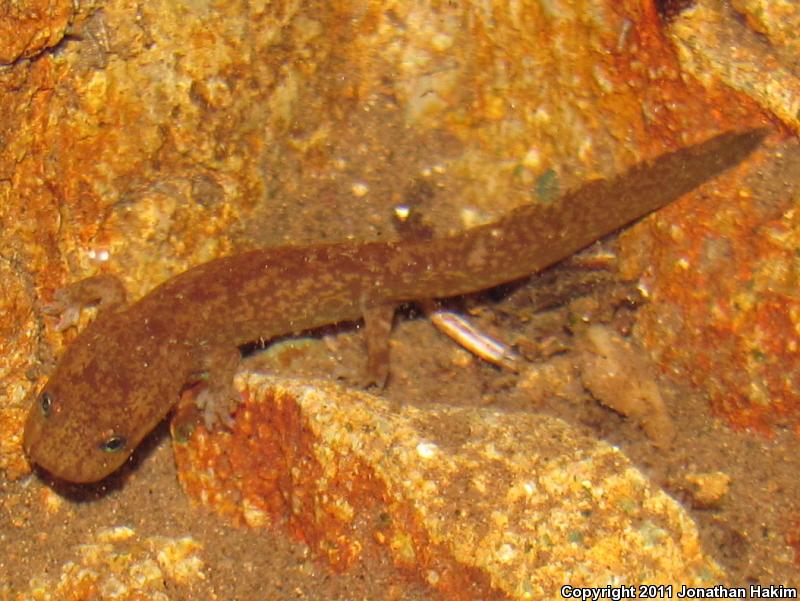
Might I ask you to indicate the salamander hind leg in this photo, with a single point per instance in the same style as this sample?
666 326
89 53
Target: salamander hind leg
378 320
104 291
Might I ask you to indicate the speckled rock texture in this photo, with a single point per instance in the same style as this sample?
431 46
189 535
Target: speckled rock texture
117 563
28 28
477 503
723 275
758 56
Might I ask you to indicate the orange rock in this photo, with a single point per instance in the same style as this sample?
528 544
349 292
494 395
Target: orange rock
29 27
474 502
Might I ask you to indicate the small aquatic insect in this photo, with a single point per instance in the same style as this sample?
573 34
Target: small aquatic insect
126 370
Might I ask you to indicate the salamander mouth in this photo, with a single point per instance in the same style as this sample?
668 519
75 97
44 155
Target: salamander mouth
32 436
70 473
43 455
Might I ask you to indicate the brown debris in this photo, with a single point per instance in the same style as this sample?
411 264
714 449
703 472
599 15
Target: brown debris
708 489
621 377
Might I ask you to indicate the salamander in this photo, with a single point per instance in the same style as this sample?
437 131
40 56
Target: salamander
126 370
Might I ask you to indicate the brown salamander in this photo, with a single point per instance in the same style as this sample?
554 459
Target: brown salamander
126 370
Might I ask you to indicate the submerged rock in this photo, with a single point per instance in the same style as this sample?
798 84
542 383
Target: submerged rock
477 503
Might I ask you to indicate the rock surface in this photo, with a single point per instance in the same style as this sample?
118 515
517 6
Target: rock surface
476 503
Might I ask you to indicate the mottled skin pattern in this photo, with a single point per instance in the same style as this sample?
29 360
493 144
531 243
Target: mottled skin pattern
126 370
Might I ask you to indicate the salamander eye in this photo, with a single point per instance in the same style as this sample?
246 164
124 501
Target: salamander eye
113 444
46 403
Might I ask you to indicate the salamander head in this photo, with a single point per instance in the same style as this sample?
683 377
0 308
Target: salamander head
91 414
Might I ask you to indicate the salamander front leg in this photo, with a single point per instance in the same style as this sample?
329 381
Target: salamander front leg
104 291
218 398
